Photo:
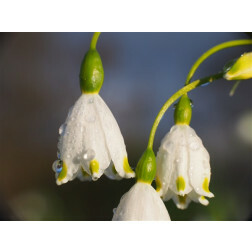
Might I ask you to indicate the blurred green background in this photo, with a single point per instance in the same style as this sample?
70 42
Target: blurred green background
39 83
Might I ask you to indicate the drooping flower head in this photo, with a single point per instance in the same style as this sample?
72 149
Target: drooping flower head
142 202
91 142
183 163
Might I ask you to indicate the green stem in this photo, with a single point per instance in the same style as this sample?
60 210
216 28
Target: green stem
94 40
174 97
213 50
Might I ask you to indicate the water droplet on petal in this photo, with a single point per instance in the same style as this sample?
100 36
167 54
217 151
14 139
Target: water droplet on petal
182 142
114 210
177 160
194 146
58 154
90 118
91 100
169 146
62 128
57 166
89 154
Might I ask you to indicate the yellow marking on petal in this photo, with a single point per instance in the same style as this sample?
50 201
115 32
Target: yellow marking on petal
158 184
182 199
63 172
202 197
94 166
126 166
205 185
84 173
180 182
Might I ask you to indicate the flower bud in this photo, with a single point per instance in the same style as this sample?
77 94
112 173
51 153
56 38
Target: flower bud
146 167
241 69
183 111
91 72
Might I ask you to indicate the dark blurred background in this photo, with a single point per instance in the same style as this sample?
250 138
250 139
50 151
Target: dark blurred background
39 83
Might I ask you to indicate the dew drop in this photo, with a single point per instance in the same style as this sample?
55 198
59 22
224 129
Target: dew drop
194 146
182 142
57 166
191 103
90 118
89 154
177 160
58 154
169 146
114 210
62 128
91 100
82 129
205 84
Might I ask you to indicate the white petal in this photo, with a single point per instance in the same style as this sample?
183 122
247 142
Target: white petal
177 160
82 140
168 195
199 170
82 175
111 173
164 165
181 202
198 198
114 139
70 141
141 203
94 144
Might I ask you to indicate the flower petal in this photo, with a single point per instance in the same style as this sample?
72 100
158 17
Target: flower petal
114 139
181 202
95 156
198 198
111 172
141 203
180 183
164 164
199 170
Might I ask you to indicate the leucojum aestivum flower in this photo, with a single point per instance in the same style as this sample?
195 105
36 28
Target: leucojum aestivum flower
91 143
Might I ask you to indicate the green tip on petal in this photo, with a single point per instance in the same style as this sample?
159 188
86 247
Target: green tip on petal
91 72
84 173
180 183
183 111
158 184
94 166
182 199
205 185
63 172
241 69
146 167
126 166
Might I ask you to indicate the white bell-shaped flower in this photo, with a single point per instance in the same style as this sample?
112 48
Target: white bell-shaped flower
141 203
91 143
183 167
